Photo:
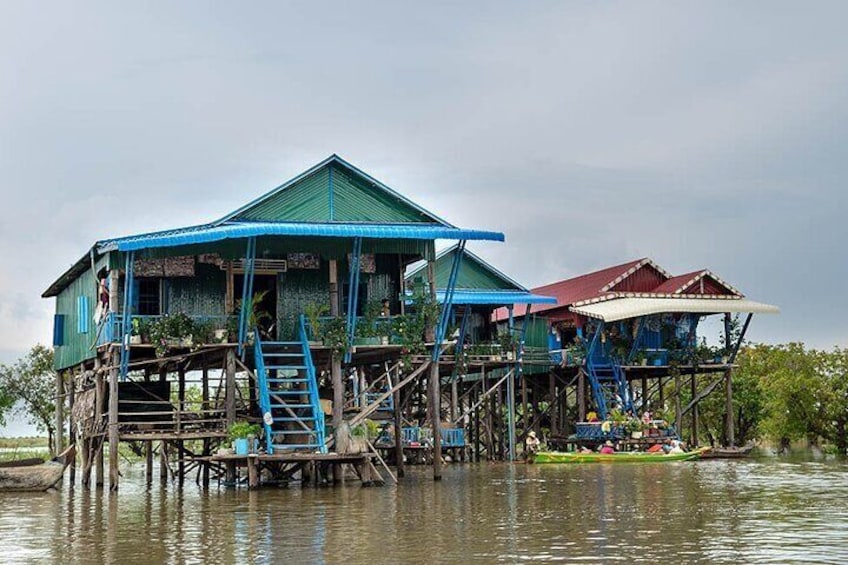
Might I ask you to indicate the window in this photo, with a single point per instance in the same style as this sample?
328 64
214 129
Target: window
149 298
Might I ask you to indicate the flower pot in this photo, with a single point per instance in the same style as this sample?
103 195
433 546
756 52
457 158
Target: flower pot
636 435
643 362
384 340
241 446
135 340
221 336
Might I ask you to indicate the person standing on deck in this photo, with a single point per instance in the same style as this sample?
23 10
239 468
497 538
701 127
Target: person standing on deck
531 446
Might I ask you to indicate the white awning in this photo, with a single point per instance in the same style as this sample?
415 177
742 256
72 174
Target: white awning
624 308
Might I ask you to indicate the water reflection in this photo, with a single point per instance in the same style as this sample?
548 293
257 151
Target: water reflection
768 510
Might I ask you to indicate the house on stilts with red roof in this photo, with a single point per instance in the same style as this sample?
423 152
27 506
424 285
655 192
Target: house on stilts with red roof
625 339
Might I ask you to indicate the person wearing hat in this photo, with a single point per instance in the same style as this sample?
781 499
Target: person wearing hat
531 446
607 448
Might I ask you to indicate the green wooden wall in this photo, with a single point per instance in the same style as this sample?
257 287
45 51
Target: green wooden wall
77 347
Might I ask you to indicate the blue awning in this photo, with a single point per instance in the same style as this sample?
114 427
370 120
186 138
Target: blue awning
495 297
239 230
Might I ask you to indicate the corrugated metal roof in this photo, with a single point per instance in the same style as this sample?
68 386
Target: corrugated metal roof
625 308
333 190
238 230
495 297
307 201
475 273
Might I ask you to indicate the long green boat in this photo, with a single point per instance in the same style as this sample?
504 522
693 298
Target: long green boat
623 457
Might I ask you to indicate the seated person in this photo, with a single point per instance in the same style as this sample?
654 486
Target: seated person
656 448
607 448
592 416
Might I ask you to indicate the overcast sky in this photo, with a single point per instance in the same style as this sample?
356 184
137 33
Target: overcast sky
702 135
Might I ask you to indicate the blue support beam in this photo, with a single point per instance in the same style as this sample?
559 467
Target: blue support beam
353 295
448 302
246 294
126 321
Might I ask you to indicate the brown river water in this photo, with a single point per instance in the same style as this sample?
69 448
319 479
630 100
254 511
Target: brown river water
765 510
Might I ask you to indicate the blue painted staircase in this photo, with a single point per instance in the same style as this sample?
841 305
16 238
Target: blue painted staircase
606 377
609 386
288 395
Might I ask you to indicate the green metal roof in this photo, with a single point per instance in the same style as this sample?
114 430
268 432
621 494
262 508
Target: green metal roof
474 273
333 191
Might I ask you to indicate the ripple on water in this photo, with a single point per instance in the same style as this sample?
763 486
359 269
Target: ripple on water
713 511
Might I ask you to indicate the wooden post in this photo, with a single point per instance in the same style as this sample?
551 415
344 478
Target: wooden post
581 396
396 399
552 391
454 410
693 384
163 462
148 446
99 398
694 432
113 420
114 361
435 392
678 412
644 393
729 432
230 403
252 472
181 411
163 445
436 420
72 435
205 407
662 393
58 435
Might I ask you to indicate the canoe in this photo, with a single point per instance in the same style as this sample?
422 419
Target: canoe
31 475
729 452
623 457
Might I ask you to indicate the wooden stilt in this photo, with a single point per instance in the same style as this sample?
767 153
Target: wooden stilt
694 431
59 413
581 396
230 403
435 403
163 462
554 396
205 406
113 422
729 432
72 434
396 398
181 386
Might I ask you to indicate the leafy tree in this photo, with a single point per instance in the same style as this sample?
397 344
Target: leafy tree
30 384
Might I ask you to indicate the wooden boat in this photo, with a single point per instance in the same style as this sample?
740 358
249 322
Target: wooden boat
729 452
622 457
34 474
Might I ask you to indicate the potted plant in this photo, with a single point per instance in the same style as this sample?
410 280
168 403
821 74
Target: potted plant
240 434
135 337
314 311
334 335
366 327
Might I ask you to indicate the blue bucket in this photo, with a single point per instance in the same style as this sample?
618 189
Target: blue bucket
241 446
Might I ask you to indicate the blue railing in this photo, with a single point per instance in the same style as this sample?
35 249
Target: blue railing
264 397
314 398
453 437
111 328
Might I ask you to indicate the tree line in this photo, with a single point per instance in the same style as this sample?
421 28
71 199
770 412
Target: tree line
784 393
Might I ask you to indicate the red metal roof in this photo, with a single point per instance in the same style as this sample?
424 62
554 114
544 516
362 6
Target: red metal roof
635 277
